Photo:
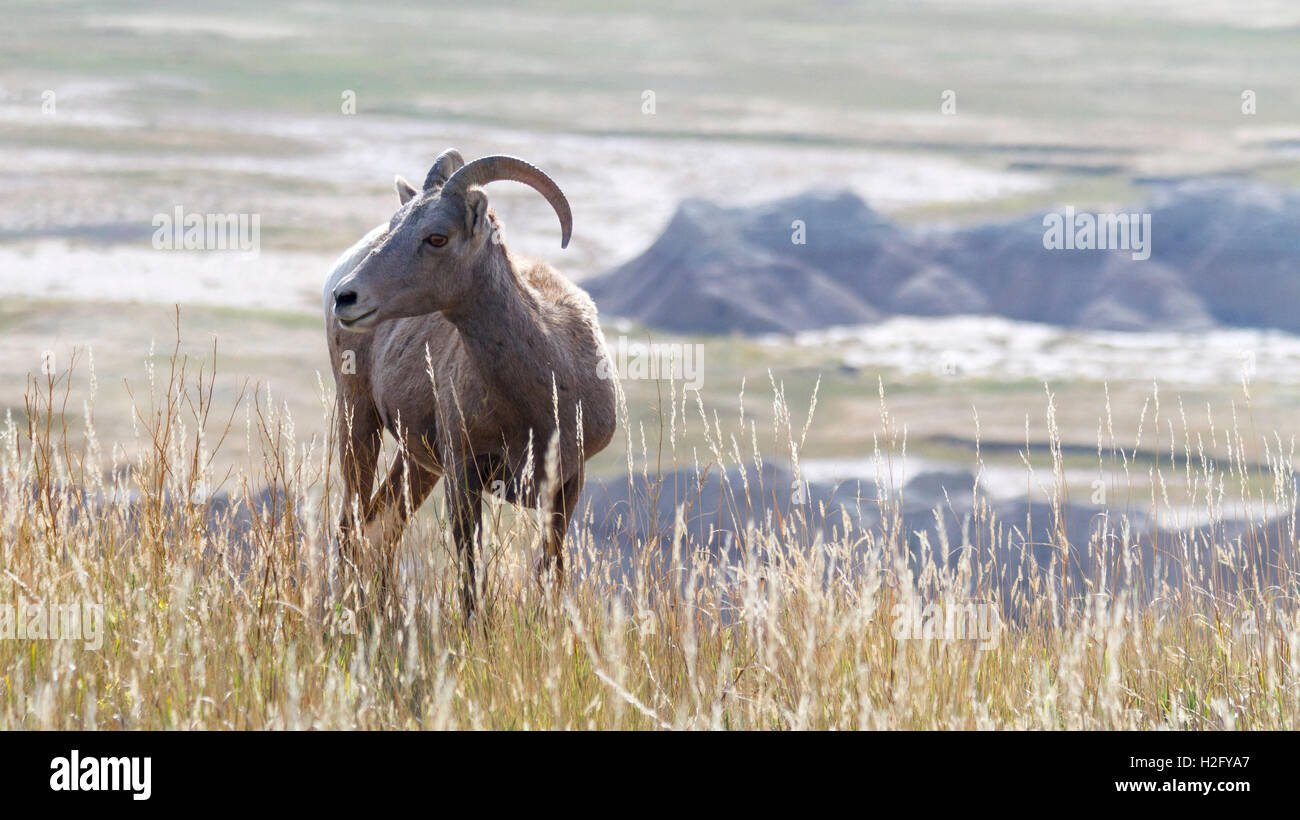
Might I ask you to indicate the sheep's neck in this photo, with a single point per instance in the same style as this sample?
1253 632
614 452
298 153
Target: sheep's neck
502 331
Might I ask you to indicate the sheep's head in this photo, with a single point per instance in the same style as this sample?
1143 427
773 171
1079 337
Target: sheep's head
429 258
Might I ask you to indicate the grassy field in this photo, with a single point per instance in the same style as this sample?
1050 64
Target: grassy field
209 625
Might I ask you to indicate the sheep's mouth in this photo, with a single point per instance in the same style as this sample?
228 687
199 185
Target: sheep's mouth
358 323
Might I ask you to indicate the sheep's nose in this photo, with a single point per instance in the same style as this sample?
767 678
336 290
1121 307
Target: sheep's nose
344 299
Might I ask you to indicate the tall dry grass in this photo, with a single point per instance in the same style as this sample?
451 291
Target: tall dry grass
226 606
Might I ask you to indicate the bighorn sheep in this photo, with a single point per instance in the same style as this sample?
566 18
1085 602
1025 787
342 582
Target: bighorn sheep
482 363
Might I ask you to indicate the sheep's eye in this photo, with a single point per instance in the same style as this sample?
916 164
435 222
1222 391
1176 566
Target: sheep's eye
437 240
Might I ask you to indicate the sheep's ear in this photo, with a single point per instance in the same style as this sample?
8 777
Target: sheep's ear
477 214
405 190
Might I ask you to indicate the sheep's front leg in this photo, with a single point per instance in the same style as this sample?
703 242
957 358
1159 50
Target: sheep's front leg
408 485
359 438
465 506
562 507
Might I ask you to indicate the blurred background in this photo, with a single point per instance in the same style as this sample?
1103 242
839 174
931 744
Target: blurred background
919 143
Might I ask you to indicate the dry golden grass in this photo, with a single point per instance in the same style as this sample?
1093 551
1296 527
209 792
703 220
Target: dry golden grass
209 626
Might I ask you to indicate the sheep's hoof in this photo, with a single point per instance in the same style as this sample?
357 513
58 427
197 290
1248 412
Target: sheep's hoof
469 606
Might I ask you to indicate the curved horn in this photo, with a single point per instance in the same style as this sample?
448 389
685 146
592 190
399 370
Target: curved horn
447 163
490 169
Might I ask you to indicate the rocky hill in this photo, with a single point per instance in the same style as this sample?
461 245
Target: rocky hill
1220 254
